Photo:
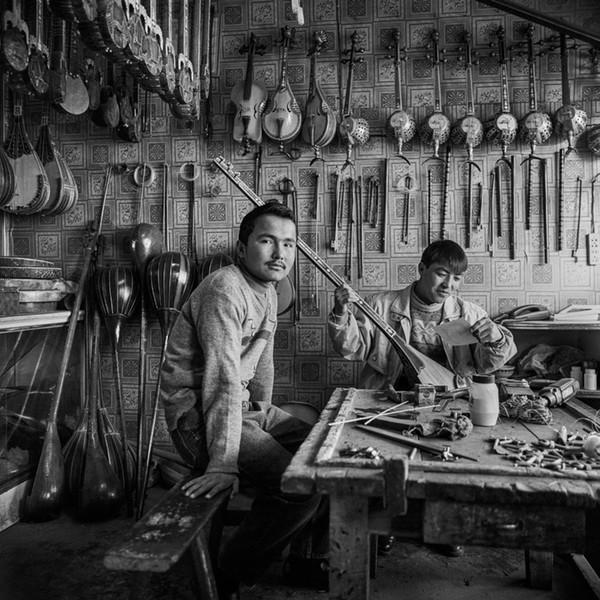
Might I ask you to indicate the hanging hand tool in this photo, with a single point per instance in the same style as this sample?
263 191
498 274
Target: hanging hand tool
408 184
592 239
490 232
444 209
428 206
257 168
544 209
359 226
512 234
335 211
561 191
469 208
189 173
348 264
575 251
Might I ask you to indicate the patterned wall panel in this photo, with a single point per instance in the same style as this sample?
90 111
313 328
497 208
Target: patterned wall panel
307 367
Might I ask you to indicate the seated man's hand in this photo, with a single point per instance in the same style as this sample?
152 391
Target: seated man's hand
210 484
342 296
486 331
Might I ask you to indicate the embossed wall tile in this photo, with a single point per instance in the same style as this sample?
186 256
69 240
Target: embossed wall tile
453 7
185 150
283 370
23 246
309 372
310 339
375 275
242 207
548 300
507 274
75 217
389 9
575 274
48 245
406 273
482 300
217 241
485 30
262 14
419 34
419 7
127 212
475 275
156 151
372 240
100 153
235 14
216 212
74 154
541 274
506 303
127 153
566 298
341 372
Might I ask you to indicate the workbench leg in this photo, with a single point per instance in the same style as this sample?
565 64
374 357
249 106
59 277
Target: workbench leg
538 569
348 548
203 569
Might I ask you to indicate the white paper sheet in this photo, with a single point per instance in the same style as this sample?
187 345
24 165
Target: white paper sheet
456 333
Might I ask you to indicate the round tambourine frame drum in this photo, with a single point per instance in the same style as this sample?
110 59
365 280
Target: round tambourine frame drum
302 410
286 295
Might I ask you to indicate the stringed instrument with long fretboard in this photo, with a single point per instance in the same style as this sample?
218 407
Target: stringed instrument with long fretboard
319 123
419 368
250 98
283 119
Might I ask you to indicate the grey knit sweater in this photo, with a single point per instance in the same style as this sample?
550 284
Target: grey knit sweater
219 358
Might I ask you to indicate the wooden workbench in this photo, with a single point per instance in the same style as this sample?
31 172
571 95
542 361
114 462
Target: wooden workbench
488 502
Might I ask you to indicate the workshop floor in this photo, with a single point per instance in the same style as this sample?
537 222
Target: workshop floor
62 560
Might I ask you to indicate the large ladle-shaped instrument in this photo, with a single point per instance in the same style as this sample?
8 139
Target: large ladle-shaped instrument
117 294
400 124
146 243
170 279
352 130
435 131
570 121
45 497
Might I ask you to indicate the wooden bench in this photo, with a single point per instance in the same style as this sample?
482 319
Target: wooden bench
175 525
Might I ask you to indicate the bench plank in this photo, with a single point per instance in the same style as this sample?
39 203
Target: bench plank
158 540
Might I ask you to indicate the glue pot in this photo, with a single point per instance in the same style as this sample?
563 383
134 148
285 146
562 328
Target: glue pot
485 405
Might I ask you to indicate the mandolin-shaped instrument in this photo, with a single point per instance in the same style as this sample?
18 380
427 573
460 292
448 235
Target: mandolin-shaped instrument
113 25
32 187
504 126
249 97
76 99
570 121
536 126
167 76
468 131
419 367
14 42
136 14
352 130
400 124
282 120
63 191
318 123
435 131
35 78
152 44
184 87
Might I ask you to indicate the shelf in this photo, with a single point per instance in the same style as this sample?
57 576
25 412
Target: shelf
552 325
47 320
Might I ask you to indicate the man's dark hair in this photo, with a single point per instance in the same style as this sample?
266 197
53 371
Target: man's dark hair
448 253
270 208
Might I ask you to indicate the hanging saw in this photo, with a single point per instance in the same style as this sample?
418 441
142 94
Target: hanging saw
419 368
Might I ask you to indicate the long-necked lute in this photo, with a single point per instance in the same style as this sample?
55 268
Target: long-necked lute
419 368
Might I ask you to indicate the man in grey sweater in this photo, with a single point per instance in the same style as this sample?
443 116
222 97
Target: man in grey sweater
217 382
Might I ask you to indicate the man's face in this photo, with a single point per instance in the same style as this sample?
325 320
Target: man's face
437 282
271 249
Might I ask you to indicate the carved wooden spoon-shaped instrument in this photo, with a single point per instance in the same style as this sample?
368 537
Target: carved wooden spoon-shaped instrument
400 124
435 130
